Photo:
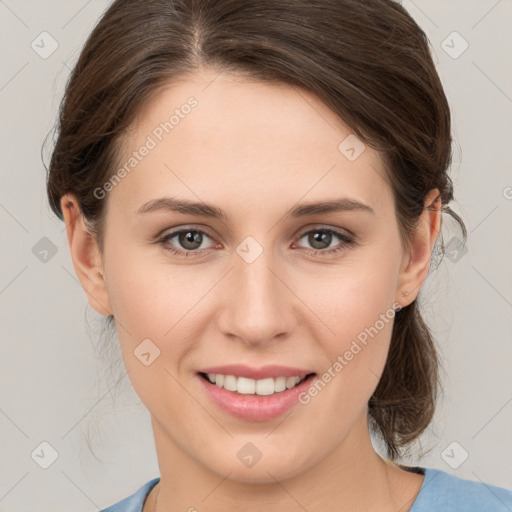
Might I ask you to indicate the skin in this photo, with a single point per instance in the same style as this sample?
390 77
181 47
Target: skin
255 150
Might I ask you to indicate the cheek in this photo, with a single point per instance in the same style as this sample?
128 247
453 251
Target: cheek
362 319
156 303
357 309
355 297
149 298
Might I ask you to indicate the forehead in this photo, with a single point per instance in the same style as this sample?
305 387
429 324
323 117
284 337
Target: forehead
218 136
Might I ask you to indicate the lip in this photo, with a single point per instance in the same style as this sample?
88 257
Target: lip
254 407
265 372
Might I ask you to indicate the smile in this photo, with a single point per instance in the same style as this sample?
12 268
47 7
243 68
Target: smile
247 386
254 399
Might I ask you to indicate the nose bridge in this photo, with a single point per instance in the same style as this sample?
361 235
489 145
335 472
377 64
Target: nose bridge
257 307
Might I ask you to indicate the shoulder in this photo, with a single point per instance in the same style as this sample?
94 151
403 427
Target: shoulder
134 502
443 492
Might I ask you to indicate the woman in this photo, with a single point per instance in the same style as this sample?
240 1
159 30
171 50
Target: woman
253 192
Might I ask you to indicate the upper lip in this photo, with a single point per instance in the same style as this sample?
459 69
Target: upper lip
264 372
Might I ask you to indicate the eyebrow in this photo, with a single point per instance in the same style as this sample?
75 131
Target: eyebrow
206 210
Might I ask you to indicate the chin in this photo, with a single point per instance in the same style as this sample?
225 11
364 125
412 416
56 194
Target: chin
266 470
267 474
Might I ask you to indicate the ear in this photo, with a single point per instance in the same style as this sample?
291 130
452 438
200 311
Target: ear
416 263
85 255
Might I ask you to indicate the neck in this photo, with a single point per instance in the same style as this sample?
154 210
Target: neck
353 476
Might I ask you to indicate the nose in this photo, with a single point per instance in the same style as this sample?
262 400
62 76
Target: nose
258 307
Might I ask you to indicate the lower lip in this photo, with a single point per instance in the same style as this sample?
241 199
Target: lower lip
255 407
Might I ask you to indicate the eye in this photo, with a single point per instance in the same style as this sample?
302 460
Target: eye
191 240
188 238
321 238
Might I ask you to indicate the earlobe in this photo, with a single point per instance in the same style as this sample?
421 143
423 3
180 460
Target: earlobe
85 255
415 270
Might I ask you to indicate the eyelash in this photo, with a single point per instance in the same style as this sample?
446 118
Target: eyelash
347 241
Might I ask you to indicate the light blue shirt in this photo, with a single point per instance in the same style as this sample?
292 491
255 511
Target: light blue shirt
440 492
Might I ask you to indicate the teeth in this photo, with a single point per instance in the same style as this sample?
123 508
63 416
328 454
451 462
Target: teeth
246 386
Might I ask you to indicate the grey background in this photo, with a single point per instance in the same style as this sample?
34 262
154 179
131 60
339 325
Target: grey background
55 386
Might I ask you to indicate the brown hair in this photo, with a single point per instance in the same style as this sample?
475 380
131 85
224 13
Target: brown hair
369 62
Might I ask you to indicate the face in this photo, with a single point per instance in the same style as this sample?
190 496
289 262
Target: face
262 285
